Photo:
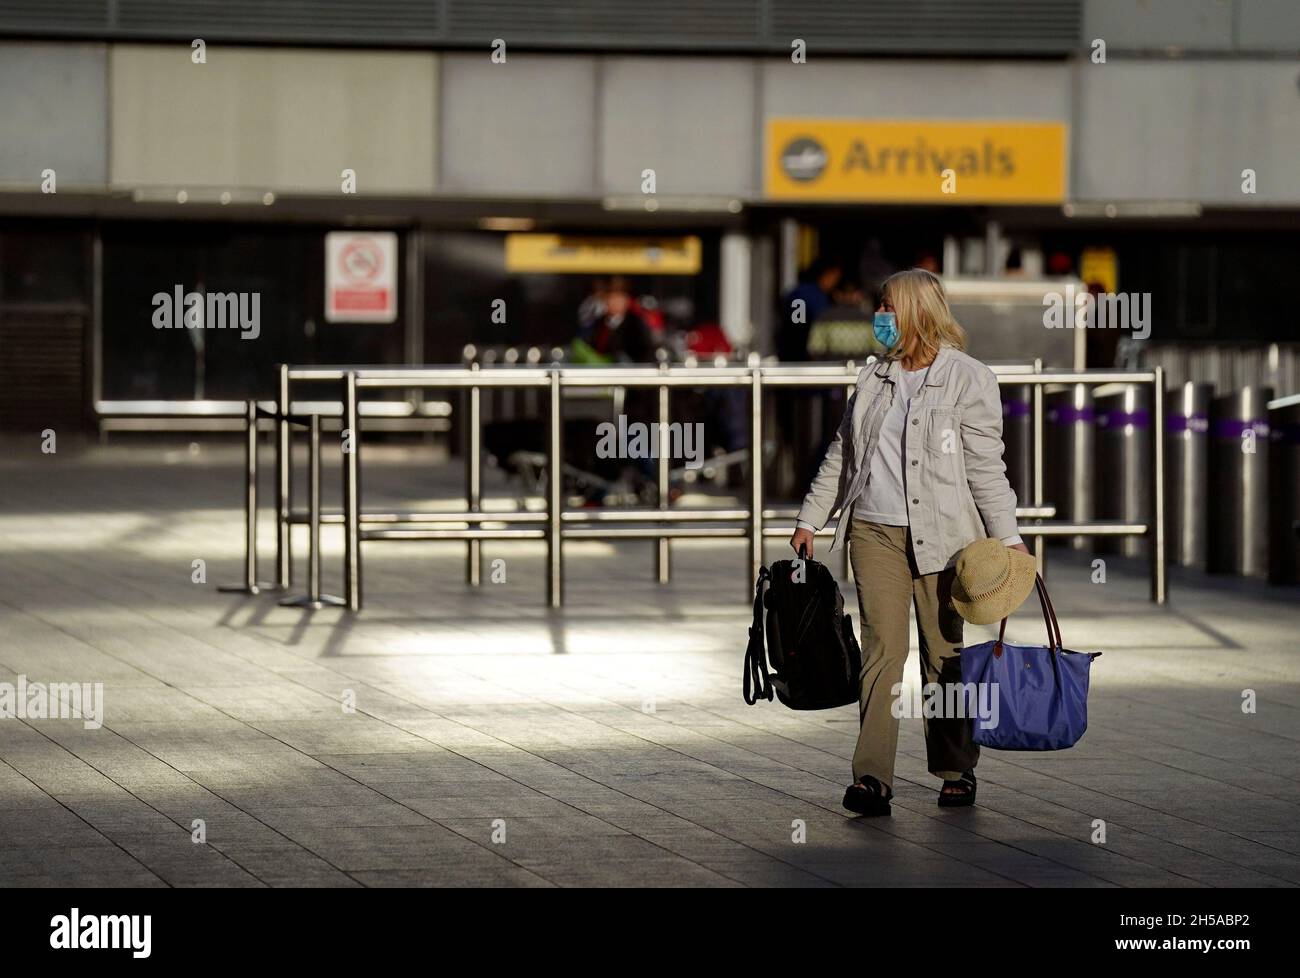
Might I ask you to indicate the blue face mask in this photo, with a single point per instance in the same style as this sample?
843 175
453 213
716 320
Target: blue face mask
885 326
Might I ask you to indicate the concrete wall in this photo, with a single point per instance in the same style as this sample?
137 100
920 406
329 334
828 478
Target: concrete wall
584 126
581 126
53 106
1268 25
526 128
286 120
1185 130
917 89
691 120
1194 25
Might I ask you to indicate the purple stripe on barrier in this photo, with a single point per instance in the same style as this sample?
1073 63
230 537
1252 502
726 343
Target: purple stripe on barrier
1015 409
1113 419
1198 424
1233 428
1069 415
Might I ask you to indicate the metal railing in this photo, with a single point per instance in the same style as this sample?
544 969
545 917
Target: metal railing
554 524
211 415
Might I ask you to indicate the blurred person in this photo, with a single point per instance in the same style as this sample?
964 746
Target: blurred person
723 409
647 307
874 268
921 477
707 340
801 306
619 335
797 409
1015 266
848 295
592 307
926 260
1108 347
843 331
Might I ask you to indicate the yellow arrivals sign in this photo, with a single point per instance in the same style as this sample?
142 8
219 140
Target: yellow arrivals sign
584 254
919 161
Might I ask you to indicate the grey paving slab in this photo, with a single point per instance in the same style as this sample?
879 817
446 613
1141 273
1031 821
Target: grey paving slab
607 740
434 764
279 866
474 799
453 876
447 861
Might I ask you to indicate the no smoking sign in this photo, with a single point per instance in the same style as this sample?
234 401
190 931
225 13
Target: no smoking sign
360 277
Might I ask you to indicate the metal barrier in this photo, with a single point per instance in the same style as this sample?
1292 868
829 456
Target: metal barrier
554 525
1239 448
313 598
209 415
205 414
253 412
250 585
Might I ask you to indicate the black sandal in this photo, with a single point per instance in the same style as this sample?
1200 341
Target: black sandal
963 796
867 796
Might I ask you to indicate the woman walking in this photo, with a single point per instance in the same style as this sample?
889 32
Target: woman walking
916 473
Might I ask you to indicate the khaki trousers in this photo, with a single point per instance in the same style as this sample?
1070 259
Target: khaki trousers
888 582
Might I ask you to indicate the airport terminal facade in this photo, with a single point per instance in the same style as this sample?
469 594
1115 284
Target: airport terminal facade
148 150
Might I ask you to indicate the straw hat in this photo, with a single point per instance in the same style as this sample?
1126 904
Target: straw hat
992 581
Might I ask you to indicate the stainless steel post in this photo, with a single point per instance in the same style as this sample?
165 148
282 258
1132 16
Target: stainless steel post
1158 555
250 584
1239 445
250 499
1187 471
313 510
663 555
313 598
351 494
474 479
1123 463
1072 414
555 496
1040 543
283 484
755 477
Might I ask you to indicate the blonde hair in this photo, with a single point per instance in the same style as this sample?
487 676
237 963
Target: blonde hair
925 322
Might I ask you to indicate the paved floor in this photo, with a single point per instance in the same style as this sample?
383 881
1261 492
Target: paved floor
493 742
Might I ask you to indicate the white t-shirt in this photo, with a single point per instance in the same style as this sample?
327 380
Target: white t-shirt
884 498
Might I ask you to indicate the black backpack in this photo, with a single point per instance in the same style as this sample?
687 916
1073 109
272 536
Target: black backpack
815 657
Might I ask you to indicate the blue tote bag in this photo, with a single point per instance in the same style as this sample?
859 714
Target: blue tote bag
1039 694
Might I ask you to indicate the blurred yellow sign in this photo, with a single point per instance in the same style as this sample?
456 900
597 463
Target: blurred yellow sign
921 161
1100 265
602 255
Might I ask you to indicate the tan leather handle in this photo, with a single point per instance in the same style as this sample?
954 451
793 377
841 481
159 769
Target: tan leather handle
1056 626
1049 618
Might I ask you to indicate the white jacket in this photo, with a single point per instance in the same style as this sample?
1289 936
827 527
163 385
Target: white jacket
957 489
